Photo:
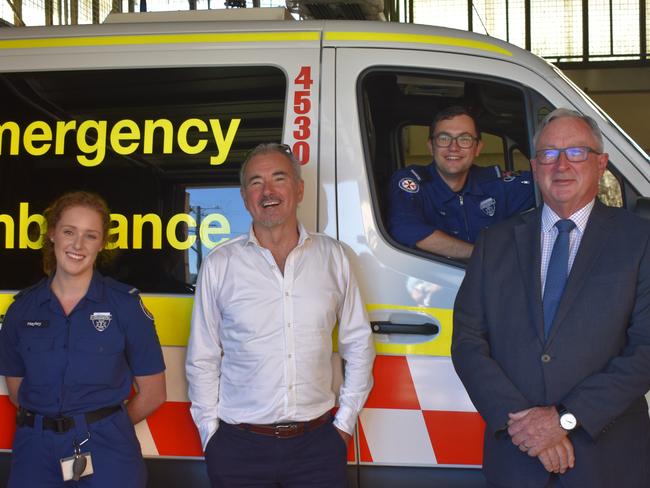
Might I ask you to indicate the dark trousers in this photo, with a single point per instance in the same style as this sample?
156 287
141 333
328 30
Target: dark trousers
113 445
239 458
553 482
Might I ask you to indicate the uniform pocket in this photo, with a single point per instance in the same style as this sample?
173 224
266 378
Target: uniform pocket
37 353
99 361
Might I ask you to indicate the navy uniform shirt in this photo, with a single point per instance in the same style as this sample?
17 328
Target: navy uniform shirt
421 202
80 362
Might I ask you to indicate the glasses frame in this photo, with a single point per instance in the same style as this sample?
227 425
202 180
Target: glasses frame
454 139
564 150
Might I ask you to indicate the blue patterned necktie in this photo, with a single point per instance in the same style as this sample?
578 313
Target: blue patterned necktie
556 273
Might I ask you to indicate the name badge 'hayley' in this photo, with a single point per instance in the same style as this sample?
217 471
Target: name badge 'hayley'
101 320
36 324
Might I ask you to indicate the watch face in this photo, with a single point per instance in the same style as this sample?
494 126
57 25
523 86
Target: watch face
568 421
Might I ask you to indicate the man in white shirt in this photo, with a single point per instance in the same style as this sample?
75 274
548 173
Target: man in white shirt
259 358
552 327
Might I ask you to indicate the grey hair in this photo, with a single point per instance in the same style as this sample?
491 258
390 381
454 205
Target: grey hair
561 113
267 148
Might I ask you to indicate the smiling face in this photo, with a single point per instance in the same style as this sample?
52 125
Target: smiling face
453 162
565 186
77 238
271 191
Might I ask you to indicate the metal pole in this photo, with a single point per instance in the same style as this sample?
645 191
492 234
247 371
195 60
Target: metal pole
49 12
74 12
17 8
643 33
527 41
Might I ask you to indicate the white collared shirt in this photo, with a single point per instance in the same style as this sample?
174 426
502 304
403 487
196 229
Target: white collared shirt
550 232
260 347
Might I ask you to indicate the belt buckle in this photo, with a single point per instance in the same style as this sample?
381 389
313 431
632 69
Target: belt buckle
285 430
61 425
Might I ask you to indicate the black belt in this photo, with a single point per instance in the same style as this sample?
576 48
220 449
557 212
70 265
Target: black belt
286 429
25 418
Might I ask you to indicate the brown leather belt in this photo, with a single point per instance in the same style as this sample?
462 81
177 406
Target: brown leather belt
286 429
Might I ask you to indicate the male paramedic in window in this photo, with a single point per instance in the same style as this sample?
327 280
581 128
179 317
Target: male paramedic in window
552 327
441 208
259 358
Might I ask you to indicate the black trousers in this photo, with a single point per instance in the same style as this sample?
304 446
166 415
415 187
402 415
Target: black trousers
243 459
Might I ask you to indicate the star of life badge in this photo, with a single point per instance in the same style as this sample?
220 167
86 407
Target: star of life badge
488 206
101 320
409 185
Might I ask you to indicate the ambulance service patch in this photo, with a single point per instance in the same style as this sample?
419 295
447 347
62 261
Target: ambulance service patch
409 185
101 320
488 206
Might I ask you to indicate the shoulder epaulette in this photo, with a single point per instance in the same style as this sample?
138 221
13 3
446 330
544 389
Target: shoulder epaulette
29 289
122 287
484 174
420 172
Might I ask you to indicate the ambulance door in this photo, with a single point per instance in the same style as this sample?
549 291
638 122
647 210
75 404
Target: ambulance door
418 414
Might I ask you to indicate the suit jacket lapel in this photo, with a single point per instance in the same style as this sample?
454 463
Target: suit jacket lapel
529 254
591 246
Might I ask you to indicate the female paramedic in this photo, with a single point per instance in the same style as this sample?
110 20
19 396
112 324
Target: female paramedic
71 348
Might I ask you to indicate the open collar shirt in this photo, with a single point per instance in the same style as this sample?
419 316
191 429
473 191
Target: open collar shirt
260 347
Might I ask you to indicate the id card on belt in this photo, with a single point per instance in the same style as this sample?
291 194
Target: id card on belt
74 467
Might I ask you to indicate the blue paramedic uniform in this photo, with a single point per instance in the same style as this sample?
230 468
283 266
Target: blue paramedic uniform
72 365
420 202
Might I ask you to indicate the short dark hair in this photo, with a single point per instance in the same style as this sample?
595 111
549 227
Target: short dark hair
266 148
450 113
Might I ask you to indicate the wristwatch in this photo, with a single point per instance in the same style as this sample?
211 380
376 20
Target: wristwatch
568 421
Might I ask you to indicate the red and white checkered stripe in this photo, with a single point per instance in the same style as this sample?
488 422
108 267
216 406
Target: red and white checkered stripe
419 414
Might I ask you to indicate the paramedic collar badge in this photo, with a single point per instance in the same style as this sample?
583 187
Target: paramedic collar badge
488 206
409 185
101 320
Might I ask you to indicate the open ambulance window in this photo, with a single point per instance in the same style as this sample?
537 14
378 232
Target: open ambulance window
163 146
399 105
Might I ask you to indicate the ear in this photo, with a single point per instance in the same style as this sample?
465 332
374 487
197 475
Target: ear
479 148
603 159
301 190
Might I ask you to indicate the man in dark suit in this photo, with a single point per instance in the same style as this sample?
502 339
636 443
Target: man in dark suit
552 328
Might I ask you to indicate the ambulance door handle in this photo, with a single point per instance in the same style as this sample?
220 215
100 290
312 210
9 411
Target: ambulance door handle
384 327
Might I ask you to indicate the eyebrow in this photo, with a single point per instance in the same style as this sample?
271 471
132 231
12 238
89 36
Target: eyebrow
72 226
275 173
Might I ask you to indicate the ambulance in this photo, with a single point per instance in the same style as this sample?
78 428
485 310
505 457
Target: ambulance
158 116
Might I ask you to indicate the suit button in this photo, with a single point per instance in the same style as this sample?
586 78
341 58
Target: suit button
546 358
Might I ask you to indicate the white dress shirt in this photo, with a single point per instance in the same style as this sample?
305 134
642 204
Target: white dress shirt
550 232
260 345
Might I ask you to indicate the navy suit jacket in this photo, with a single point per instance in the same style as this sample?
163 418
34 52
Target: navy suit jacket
596 360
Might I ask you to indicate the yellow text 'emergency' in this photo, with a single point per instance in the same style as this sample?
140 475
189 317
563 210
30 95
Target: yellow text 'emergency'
123 137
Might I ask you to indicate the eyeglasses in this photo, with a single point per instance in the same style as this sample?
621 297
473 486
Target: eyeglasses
577 154
464 141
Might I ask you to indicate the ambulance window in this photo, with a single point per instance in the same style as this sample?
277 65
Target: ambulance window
163 146
399 105
220 215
